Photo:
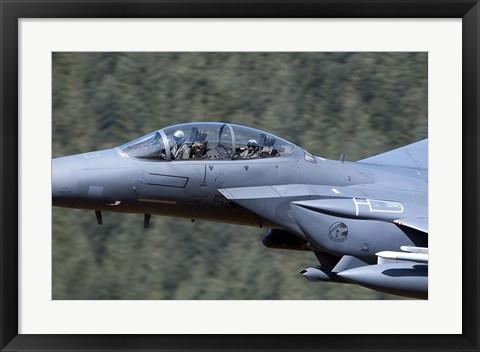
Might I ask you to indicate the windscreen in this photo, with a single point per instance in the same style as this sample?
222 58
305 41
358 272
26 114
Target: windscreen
150 146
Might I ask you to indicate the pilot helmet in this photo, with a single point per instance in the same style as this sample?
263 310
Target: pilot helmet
252 143
178 135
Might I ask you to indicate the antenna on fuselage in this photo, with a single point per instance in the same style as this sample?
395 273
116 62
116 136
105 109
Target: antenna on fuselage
98 215
146 221
342 158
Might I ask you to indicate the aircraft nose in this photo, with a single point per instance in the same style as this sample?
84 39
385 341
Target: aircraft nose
65 181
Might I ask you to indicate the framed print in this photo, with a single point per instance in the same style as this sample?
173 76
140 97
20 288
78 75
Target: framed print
142 291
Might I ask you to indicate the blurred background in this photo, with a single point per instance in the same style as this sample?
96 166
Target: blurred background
359 104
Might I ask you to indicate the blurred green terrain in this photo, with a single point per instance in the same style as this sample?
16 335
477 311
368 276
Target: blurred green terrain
360 104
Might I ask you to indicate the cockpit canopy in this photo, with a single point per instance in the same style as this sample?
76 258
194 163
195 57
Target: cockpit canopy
207 140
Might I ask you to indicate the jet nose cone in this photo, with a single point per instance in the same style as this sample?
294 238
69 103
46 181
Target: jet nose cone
65 181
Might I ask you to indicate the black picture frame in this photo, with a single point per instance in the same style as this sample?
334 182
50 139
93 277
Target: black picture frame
12 10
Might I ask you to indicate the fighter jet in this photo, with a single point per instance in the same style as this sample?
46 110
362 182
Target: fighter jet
366 221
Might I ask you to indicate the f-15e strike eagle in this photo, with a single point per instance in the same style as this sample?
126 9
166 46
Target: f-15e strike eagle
365 221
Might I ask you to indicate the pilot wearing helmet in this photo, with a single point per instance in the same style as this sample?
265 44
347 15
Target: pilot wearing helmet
176 139
251 152
181 149
179 137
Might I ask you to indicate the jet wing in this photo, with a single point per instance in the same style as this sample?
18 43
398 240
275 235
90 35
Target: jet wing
355 202
413 156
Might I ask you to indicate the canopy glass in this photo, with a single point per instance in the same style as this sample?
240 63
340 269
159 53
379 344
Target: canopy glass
207 140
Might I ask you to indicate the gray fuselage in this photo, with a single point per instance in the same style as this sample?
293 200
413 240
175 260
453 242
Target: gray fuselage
107 180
